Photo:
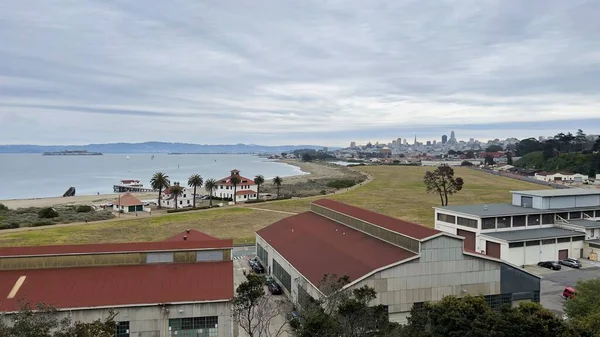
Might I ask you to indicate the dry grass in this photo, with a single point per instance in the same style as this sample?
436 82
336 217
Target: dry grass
396 191
399 191
237 223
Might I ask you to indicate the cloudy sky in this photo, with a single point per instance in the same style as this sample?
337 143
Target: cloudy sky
296 72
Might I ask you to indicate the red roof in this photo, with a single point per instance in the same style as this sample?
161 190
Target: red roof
245 192
410 229
115 247
243 180
316 246
127 200
191 235
84 287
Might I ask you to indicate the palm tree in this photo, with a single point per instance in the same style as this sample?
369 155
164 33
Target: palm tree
195 180
258 180
235 180
159 181
210 185
277 181
176 191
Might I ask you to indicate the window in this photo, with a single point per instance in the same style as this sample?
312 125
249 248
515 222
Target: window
446 218
467 222
598 214
575 215
282 275
519 220
532 243
515 244
194 326
578 238
594 245
263 255
527 202
488 223
504 222
159 257
563 240
547 219
181 202
549 241
497 301
564 215
533 220
184 196
209 255
122 329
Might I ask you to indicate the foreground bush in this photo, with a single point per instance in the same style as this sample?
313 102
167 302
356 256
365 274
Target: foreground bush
255 201
84 209
48 213
27 217
3 207
341 183
187 209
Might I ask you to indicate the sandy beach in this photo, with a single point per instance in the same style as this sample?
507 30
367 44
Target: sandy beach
317 171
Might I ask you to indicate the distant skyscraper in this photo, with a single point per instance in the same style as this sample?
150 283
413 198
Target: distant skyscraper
444 139
428 142
352 144
415 140
452 137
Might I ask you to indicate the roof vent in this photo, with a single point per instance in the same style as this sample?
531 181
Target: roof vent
184 237
188 231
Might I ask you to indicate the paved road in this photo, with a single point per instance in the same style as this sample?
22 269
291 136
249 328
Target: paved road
239 253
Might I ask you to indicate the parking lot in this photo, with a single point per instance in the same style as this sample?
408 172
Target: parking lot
554 282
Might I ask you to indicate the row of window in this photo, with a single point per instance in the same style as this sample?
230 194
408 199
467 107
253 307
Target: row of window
545 242
263 255
282 275
193 323
594 245
239 187
457 220
516 220
122 329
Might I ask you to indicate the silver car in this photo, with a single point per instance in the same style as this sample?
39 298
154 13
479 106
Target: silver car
569 262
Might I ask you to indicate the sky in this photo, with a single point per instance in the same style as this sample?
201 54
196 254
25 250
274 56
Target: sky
322 72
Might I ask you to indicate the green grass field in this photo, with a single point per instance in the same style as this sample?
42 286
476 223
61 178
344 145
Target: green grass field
396 191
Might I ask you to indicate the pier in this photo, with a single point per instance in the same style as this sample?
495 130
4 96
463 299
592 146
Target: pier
129 188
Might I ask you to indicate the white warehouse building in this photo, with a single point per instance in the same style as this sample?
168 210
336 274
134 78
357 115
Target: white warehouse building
540 225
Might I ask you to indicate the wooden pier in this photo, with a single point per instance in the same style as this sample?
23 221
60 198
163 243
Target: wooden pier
129 188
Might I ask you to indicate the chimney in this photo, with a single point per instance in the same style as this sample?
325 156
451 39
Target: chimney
187 231
185 238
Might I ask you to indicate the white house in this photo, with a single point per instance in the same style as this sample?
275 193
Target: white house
537 226
186 199
128 203
561 177
245 190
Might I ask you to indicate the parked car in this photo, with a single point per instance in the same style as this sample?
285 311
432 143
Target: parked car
550 265
569 262
205 197
274 288
256 266
569 292
269 279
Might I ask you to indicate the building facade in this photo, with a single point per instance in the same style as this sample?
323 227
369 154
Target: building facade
407 264
562 177
186 199
127 203
542 225
244 191
179 287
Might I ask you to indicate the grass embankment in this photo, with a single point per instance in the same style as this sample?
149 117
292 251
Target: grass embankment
30 216
396 191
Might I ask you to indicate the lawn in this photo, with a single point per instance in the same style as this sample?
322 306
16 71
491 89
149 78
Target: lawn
399 191
237 223
396 191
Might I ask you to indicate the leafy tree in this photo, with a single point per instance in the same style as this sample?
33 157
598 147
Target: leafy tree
469 155
3 208
494 148
528 145
443 182
176 191
48 213
596 146
306 157
235 180
160 181
583 308
210 185
255 312
195 180
489 160
258 180
580 140
509 159
277 181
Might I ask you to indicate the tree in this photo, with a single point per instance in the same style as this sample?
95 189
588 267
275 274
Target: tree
509 159
489 160
580 140
466 163
583 308
306 157
176 191
210 185
234 180
255 312
469 155
159 182
494 148
277 181
195 180
596 146
443 182
528 145
258 180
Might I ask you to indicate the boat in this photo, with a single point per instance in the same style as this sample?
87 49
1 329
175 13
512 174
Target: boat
127 157
72 153
131 185
152 158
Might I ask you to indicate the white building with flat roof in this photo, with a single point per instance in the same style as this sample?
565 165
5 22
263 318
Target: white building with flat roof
541 225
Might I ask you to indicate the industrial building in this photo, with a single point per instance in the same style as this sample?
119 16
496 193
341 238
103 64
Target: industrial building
178 287
540 225
407 264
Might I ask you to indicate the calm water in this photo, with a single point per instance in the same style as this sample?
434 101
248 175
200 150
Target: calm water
34 175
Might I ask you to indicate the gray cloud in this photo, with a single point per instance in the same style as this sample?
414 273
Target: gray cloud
262 71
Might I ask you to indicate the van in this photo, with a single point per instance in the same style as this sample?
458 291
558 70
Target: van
568 292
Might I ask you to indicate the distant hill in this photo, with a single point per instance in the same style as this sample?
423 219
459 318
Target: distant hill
157 147
576 162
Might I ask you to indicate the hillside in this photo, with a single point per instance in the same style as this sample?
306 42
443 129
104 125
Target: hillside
584 163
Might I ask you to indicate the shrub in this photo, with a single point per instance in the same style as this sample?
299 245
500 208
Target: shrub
3 207
84 209
10 225
256 201
466 163
323 192
187 209
48 213
42 223
341 183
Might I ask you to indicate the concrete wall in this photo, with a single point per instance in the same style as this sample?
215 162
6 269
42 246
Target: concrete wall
531 255
150 321
441 270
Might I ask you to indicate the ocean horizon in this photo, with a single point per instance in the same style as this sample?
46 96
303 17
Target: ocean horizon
35 176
